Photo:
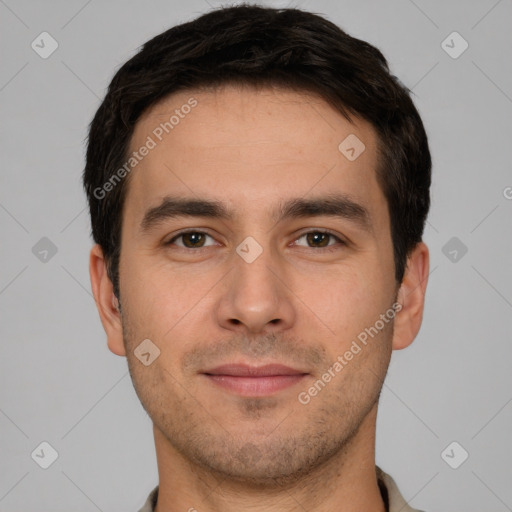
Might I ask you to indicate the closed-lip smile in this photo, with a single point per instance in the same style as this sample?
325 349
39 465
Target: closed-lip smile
247 380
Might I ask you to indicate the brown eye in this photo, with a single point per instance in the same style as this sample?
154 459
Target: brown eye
190 239
320 239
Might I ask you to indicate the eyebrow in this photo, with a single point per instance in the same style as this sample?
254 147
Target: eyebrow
331 205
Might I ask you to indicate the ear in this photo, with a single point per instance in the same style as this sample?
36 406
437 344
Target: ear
411 296
106 301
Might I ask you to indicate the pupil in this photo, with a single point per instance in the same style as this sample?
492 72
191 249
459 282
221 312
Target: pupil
315 237
194 237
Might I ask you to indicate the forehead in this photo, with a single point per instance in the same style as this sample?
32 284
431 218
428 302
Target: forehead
251 147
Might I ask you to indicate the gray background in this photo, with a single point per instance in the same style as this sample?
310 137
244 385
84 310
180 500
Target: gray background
59 382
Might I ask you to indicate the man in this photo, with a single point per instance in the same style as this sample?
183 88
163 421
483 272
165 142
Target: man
258 186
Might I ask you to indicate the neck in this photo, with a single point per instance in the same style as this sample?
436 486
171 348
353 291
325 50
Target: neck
347 482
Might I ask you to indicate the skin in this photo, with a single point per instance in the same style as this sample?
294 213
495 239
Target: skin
295 304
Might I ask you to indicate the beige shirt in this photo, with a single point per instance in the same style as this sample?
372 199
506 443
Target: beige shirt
390 494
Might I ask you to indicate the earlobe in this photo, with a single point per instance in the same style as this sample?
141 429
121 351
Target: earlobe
106 301
411 296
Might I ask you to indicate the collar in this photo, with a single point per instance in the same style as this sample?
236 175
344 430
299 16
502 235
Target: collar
393 500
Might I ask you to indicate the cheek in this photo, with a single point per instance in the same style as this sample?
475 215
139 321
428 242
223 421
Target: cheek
164 305
347 302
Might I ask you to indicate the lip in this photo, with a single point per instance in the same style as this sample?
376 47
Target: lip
244 370
248 380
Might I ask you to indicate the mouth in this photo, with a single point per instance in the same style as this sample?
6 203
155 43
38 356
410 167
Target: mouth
254 381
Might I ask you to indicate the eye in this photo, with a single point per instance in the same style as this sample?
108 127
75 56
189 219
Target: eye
320 239
190 239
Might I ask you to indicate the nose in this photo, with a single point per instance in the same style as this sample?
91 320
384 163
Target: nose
255 297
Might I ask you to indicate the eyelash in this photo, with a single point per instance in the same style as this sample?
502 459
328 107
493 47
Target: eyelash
329 248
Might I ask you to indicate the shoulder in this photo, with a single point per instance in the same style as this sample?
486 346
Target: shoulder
150 504
396 502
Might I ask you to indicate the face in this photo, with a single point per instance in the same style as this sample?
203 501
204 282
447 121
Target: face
253 299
